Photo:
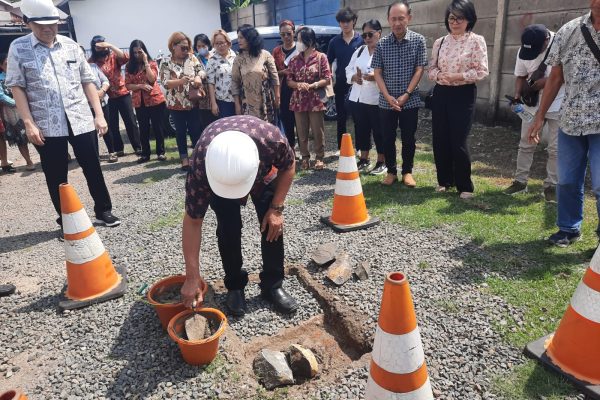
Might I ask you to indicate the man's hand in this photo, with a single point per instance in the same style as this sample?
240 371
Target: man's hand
393 103
273 220
535 129
539 84
101 126
403 99
191 292
34 135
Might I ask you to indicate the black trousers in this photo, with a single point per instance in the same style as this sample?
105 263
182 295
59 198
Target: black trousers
407 121
229 235
452 113
287 117
145 116
108 140
367 121
341 89
206 118
53 155
122 105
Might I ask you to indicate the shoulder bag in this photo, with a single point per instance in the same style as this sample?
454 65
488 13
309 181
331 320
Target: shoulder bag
590 41
429 96
326 92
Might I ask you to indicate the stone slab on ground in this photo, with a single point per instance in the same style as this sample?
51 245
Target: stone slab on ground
324 254
272 369
302 362
341 270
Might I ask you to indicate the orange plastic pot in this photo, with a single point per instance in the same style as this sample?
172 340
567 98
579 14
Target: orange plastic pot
198 352
13 395
167 311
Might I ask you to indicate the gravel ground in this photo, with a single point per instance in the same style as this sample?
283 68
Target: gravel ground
117 350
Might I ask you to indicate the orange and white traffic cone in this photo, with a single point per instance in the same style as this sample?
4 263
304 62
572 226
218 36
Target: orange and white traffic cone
574 349
91 276
349 208
13 395
398 369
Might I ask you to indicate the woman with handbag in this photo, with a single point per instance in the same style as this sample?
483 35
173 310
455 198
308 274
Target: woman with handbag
459 61
364 99
254 84
309 75
141 74
181 75
283 55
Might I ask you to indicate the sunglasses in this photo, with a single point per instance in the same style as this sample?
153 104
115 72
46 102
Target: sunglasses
455 20
369 35
286 34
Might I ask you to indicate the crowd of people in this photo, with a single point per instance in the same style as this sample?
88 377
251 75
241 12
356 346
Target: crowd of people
277 100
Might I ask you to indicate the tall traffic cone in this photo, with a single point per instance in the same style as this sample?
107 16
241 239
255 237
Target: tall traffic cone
398 369
13 395
574 349
349 208
91 276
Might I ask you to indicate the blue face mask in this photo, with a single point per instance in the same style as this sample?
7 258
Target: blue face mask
203 52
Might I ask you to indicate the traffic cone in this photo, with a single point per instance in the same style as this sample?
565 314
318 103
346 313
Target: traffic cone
13 395
349 208
574 349
398 367
91 276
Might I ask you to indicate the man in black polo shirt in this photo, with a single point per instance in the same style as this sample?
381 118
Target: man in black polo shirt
341 48
399 62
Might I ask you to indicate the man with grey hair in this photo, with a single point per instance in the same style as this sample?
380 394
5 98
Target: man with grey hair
52 84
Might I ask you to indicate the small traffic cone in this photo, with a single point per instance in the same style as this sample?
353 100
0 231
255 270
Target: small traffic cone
349 208
91 276
398 367
574 349
13 395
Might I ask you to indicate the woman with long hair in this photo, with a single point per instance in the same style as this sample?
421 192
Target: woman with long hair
203 52
283 55
364 98
308 77
255 85
180 73
218 71
141 74
459 61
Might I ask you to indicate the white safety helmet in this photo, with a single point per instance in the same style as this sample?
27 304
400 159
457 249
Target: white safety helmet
231 164
40 11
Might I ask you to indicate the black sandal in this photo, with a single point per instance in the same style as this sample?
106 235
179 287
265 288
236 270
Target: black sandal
9 168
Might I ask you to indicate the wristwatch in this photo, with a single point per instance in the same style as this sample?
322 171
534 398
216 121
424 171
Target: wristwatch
408 93
277 207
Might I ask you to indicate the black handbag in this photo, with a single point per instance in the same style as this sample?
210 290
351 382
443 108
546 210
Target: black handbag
429 96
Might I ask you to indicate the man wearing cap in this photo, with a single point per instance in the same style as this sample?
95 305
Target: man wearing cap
536 42
52 84
236 157
575 58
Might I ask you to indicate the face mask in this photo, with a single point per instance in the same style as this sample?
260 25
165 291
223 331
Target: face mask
300 47
203 52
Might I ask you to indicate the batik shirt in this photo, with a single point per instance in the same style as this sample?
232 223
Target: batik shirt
308 72
273 151
52 79
218 71
178 98
111 67
152 98
581 71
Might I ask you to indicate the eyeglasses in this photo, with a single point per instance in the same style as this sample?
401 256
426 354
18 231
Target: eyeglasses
286 34
220 43
368 34
456 20
184 48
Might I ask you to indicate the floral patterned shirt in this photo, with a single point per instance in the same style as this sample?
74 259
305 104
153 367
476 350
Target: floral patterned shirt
111 67
152 98
308 72
218 71
273 151
581 71
178 97
466 54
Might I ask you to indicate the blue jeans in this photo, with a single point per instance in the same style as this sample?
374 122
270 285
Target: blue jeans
573 155
226 108
186 122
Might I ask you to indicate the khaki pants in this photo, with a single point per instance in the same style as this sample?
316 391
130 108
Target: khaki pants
315 121
526 151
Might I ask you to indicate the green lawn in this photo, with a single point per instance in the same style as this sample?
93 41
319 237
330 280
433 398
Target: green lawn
510 231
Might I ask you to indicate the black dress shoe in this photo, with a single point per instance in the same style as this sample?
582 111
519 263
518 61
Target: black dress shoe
236 302
283 302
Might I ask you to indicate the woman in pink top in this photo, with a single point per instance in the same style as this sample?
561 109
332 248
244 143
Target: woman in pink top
459 60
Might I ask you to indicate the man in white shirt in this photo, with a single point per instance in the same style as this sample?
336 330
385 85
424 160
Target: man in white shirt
536 42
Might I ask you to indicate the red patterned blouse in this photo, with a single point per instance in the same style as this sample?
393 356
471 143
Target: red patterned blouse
112 69
301 71
152 98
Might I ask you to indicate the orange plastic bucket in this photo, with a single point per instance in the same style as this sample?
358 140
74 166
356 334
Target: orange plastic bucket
13 395
167 311
199 352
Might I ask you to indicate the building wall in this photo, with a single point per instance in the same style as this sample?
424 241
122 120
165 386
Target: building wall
137 19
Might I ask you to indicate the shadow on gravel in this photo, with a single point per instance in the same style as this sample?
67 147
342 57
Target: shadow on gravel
43 303
149 354
25 240
118 165
152 176
317 178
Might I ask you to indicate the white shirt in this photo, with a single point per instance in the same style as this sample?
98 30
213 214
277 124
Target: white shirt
526 68
368 92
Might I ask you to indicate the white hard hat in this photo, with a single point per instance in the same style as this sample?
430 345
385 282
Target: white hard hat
40 11
231 164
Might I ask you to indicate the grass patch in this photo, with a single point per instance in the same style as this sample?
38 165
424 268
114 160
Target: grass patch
170 220
277 394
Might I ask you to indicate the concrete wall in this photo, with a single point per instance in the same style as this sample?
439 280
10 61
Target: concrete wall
428 19
137 19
